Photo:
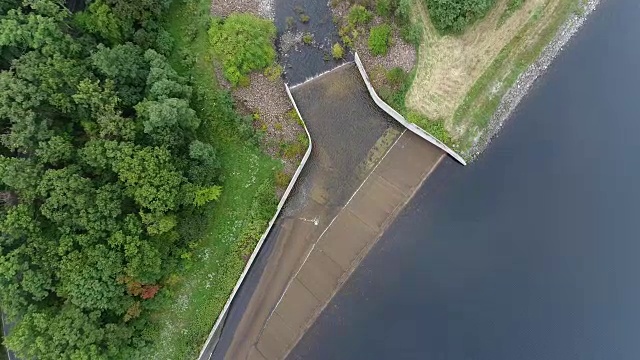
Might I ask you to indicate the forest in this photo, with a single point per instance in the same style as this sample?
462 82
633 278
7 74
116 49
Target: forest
103 174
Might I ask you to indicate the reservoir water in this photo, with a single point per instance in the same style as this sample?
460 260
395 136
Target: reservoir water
533 251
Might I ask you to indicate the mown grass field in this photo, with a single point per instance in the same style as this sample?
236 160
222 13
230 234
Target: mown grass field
235 223
460 79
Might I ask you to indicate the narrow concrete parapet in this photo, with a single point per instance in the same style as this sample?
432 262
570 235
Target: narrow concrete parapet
214 335
394 114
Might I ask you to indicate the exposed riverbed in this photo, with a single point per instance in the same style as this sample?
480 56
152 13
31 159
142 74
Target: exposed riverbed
531 251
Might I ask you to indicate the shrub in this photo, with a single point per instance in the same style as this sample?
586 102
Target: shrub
403 12
358 15
337 51
512 6
379 39
273 72
304 18
383 8
290 22
396 77
307 38
412 33
243 43
433 127
452 16
282 179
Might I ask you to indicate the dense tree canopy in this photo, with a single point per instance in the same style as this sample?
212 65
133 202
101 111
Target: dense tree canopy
452 16
99 162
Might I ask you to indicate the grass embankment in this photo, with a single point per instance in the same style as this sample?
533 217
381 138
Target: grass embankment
525 47
460 80
235 223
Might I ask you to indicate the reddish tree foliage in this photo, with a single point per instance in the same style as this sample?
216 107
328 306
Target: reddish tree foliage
149 291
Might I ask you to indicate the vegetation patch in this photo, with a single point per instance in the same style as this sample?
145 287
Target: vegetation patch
132 192
484 97
359 15
433 127
379 38
243 43
512 6
453 16
337 51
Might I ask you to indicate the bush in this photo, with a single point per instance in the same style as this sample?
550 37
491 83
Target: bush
396 77
383 8
412 33
379 39
452 16
307 38
282 179
403 12
359 15
433 127
273 72
243 43
337 51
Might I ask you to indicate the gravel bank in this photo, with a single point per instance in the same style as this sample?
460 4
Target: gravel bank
400 53
522 85
262 8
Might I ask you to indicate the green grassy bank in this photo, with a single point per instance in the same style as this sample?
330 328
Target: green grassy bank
236 222
483 99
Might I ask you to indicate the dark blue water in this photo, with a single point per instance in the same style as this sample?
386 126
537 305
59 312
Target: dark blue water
533 251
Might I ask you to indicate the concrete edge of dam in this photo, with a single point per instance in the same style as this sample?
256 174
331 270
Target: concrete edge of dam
396 115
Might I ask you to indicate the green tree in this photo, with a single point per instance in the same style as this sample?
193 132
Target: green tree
243 43
94 288
21 175
55 151
69 333
150 177
452 16
97 174
126 66
100 19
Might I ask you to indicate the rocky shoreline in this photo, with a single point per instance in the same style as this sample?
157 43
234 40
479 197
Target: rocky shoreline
520 88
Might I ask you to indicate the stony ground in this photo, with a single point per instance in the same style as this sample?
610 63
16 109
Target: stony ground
400 53
262 8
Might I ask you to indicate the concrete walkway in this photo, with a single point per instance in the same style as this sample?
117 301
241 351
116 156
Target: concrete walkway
362 171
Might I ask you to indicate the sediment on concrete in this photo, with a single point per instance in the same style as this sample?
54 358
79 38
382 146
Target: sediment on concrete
394 114
214 335
351 134
337 252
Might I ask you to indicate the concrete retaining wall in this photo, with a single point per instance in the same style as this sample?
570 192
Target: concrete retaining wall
214 335
394 114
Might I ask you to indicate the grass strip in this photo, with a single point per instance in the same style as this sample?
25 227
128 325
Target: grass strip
484 97
234 224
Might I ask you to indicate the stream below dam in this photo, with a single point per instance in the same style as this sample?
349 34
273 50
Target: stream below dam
530 252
